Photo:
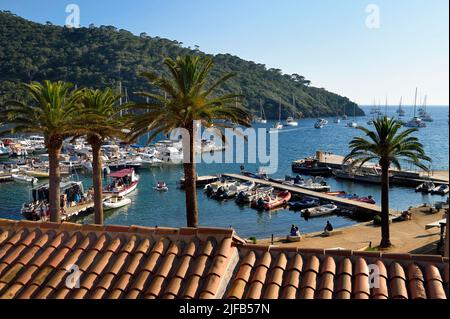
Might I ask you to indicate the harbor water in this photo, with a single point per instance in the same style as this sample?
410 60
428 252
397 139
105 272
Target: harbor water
152 208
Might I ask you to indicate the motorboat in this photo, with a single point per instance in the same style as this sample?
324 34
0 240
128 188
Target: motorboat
426 187
320 123
237 188
291 122
323 210
217 189
161 187
38 173
337 120
254 194
24 179
4 151
123 183
273 202
306 202
313 184
311 166
115 202
441 189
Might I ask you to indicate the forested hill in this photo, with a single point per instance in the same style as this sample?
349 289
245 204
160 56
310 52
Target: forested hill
103 56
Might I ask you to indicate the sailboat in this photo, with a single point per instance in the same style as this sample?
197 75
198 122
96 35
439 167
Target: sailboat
415 121
337 120
261 119
424 115
400 111
278 125
290 120
353 123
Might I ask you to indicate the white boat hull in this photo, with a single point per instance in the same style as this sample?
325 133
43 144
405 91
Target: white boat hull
115 203
123 192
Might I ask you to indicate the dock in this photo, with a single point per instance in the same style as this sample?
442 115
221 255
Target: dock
404 177
5 177
341 202
201 180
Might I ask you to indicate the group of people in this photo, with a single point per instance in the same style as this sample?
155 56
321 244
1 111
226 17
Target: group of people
296 232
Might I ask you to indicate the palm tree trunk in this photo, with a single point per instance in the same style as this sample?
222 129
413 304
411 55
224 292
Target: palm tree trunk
54 182
190 181
385 234
97 182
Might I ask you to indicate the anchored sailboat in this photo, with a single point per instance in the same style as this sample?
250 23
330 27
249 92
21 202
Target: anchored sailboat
261 119
415 121
278 125
290 120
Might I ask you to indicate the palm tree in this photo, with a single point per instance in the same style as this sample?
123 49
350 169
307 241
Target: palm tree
101 122
51 112
186 98
388 145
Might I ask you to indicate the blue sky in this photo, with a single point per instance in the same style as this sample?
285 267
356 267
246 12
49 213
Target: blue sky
327 41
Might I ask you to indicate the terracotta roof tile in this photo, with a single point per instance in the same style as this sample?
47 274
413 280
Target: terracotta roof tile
145 262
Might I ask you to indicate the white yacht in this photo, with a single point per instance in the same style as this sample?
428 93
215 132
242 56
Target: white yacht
4 151
415 122
278 125
262 118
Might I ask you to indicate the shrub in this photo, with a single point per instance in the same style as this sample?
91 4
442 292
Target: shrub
253 239
377 220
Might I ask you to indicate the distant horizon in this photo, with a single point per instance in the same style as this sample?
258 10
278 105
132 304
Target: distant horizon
296 37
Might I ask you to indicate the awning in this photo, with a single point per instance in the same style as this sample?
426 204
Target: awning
122 173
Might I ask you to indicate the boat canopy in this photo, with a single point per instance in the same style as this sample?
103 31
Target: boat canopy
122 173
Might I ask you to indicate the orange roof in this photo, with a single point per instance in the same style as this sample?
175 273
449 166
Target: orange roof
141 262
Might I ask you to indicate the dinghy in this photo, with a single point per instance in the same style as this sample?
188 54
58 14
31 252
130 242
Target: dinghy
24 179
161 187
426 187
441 190
115 202
281 199
319 211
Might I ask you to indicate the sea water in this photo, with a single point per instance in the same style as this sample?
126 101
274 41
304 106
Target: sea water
152 208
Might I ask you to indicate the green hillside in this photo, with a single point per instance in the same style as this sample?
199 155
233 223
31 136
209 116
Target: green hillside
103 56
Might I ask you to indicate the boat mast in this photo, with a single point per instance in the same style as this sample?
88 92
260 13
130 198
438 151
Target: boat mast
279 112
120 96
415 103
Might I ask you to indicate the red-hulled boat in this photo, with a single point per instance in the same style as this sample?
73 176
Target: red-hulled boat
123 183
280 200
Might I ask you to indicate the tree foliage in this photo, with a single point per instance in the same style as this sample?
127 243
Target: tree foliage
102 56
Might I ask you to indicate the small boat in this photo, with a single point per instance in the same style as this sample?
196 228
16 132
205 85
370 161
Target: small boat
161 187
254 194
306 202
320 123
370 122
123 183
38 173
217 189
441 189
235 189
291 122
316 185
368 200
337 120
352 124
319 211
311 166
115 202
426 187
281 199
24 179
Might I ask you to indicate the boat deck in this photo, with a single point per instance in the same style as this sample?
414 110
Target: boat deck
342 202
